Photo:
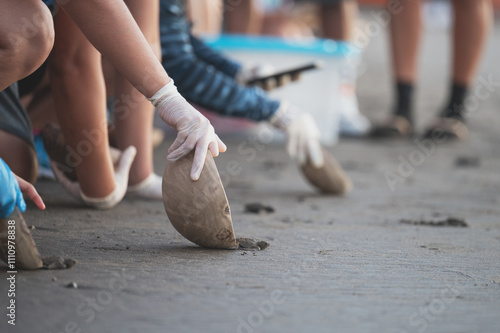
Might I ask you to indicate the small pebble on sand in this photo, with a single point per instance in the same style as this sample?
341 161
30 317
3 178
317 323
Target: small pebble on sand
58 262
250 244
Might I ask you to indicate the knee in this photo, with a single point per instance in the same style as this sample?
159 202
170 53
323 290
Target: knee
30 42
45 39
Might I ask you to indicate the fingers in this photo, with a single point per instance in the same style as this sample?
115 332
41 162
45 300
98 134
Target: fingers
214 148
179 140
222 146
291 146
198 135
315 153
296 76
184 149
302 150
199 161
31 192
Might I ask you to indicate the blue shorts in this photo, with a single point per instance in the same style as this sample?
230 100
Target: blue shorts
13 117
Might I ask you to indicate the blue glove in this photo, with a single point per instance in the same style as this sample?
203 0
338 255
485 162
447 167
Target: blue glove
10 193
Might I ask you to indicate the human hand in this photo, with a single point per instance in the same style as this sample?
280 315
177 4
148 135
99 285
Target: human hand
194 130
302 133
11 188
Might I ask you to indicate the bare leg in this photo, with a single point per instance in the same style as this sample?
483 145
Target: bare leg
19 155
26 39
405 31
243 18
405 38
337 20
133 112
473 19
79 100
40 105
207 16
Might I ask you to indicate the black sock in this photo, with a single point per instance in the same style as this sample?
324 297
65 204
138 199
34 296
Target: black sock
456 108
404 92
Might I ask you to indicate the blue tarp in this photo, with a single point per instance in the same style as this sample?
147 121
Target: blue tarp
324 47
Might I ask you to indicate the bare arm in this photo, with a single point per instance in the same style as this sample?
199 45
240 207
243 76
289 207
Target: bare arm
110 27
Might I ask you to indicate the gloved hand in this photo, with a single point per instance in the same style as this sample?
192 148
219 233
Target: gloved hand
10 193
121 179
302 132
194 130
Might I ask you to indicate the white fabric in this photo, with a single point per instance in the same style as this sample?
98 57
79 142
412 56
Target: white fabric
121 179
194 130
352 122
302 132
149 188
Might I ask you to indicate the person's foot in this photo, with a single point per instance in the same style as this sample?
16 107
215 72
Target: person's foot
446 128
149 188
26 253
55 146
121 173
352 122
394 127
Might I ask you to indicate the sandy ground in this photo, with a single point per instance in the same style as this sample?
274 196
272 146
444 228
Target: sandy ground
334 265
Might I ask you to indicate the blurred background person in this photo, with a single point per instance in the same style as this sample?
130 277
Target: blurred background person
472 22
210 80
338 20
330 19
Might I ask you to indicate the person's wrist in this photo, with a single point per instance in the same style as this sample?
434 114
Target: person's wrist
162 99
168 90
284 116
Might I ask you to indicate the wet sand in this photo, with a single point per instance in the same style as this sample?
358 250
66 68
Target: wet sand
334 264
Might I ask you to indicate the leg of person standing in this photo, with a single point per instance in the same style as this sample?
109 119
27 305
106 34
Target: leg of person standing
243 17
473 20
338 20
405 33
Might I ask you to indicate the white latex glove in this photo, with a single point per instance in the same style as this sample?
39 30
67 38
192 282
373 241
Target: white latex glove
121 179
302 132
194 130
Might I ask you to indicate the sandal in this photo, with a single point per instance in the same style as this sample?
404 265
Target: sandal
449 128
395 127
